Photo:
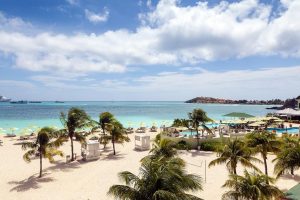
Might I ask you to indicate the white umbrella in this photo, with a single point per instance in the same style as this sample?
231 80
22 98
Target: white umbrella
2 130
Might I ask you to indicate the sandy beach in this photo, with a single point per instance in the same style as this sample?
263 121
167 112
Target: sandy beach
81 180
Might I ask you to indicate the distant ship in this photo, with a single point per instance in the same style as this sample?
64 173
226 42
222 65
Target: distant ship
4 99
19 102
35 102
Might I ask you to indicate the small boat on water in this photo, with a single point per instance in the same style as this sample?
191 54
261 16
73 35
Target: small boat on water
4 99
19 102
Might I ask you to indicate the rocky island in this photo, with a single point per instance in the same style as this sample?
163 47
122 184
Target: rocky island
231 101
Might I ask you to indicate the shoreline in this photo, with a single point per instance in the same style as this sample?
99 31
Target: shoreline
91 180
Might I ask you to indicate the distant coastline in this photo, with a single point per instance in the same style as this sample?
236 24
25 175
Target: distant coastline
212 100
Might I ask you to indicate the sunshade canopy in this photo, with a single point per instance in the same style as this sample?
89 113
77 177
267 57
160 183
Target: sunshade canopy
294 192
238 114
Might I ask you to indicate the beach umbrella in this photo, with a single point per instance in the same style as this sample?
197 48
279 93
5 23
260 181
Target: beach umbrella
25 131
278 120
129 124
240 122
238 114
2 130
13 129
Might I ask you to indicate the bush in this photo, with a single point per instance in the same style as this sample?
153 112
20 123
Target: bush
183 145
211 145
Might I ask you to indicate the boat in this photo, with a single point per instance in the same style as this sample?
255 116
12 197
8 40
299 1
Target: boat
59 102
19 102
35 102
4 99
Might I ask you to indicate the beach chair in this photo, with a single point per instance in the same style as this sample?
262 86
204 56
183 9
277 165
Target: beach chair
10 135
153 129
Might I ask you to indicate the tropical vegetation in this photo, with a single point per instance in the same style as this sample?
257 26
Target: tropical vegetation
288 159
251 186
74 124
234 152
263 142
45 146
198 118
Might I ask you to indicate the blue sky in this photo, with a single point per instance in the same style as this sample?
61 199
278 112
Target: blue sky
149 50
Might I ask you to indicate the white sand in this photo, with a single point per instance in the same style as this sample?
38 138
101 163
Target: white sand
91 180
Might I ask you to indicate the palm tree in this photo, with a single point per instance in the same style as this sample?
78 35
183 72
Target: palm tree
105 118
233 153
250 187
76 120
117 133
162 148
158 179
45 146
263 142
198 118
288 159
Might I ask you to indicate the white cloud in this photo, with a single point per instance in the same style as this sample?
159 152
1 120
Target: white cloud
97 17
171 34
264 83
73 2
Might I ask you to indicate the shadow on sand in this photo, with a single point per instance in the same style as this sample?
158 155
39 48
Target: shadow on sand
33 182
111 156
290 177
65 167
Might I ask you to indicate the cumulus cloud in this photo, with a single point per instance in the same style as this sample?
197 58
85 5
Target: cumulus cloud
264 83
97 17
169 34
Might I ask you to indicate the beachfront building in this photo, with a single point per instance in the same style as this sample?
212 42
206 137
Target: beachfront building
298 103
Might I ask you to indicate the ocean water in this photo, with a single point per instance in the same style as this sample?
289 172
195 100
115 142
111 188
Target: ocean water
129 113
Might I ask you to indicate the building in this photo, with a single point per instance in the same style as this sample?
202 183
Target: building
298 103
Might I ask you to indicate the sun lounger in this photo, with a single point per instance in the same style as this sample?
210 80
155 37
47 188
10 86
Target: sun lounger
24 137
141 130
153 129
10 135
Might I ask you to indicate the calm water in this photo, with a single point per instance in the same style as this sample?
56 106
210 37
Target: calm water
133 113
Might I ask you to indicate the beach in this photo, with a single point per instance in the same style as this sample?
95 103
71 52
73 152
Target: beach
91 180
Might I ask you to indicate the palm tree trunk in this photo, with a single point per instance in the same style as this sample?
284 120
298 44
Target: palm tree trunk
41 164
113 142
266 169
292 171
72 149
198 139
234 171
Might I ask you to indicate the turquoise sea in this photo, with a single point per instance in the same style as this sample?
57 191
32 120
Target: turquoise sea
131 113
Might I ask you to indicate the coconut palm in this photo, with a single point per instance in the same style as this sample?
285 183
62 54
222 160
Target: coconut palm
161 180
233 153
45 146
117 133
198 118
162 148
105 118
263 142
288 159
250 187
76 120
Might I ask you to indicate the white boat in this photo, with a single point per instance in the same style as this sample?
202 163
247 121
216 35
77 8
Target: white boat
4 99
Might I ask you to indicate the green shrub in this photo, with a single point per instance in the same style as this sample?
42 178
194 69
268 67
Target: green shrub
183 145
211 145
